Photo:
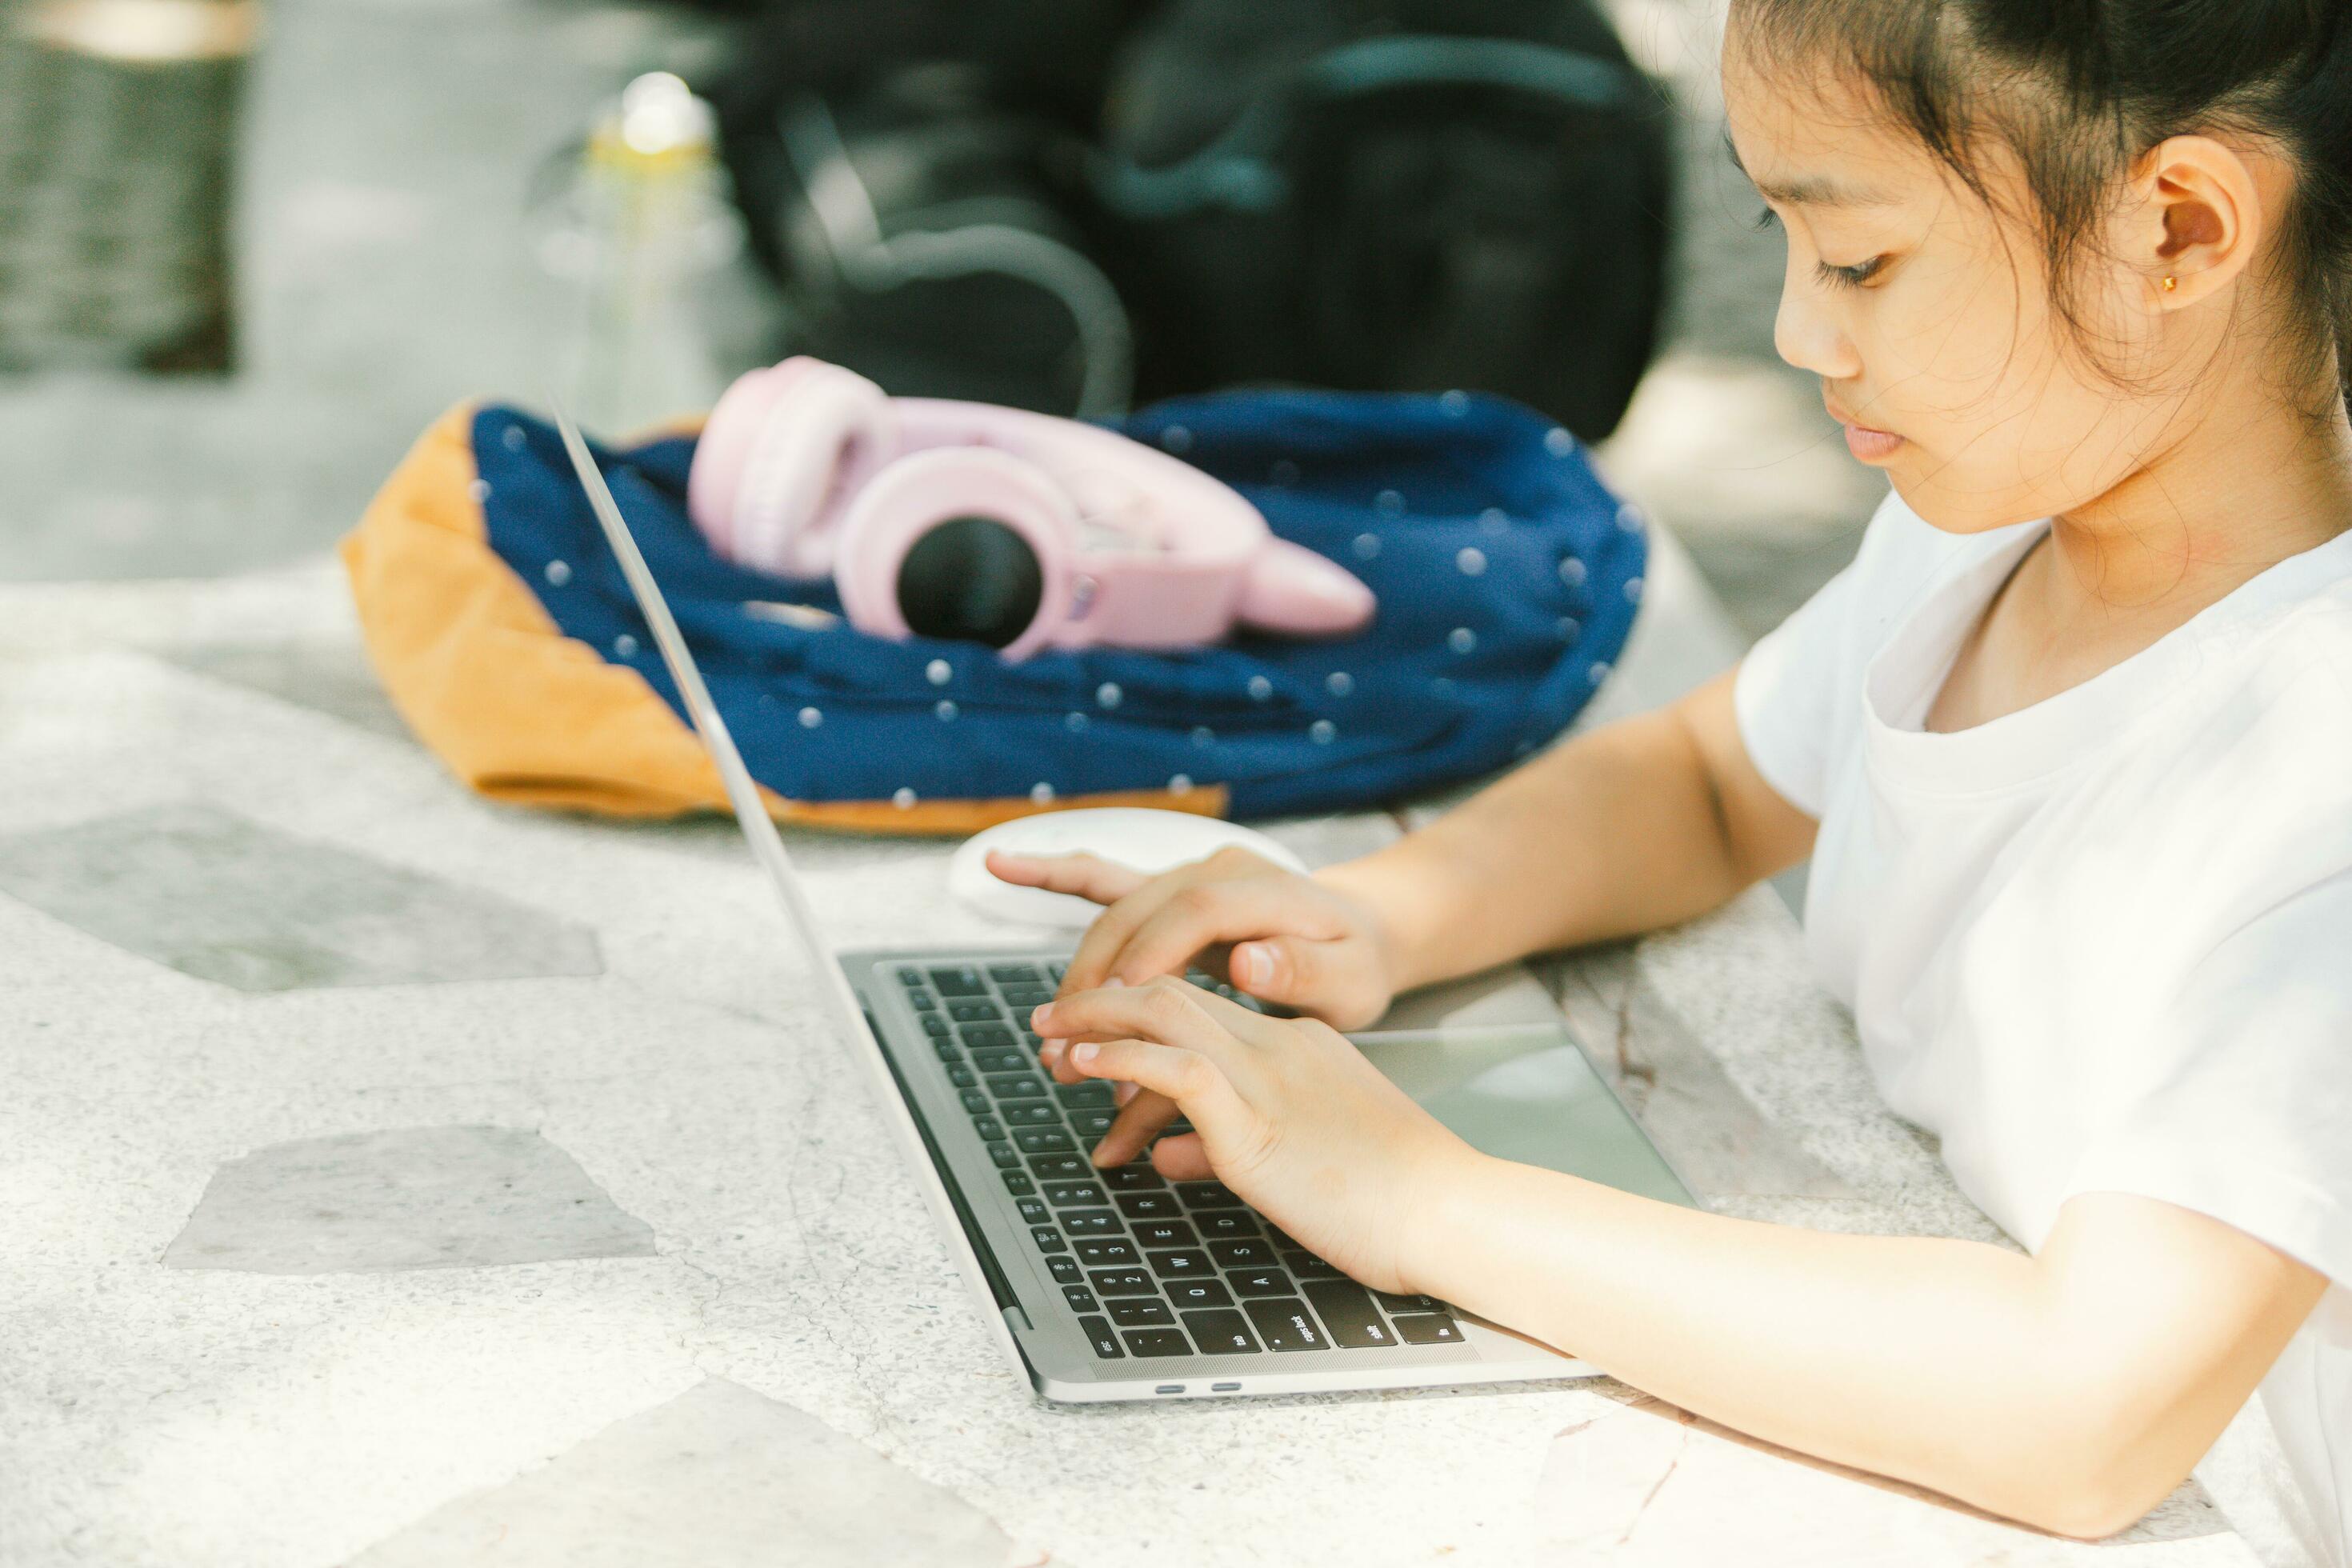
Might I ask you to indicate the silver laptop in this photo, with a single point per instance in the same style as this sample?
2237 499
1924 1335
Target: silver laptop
1118 1284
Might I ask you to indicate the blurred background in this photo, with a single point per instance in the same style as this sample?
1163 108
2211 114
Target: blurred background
249 251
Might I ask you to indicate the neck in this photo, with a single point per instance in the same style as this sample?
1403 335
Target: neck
2226 495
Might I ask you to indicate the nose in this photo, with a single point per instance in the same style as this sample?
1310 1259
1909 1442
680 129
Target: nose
1806 333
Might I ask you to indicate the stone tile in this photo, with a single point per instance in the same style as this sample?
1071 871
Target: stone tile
217 897
421 1197
331 677
1649 1486
721 1476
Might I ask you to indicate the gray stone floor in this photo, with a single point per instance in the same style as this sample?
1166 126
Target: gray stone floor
388 266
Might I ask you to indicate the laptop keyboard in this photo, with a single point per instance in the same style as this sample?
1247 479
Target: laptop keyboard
1149 1266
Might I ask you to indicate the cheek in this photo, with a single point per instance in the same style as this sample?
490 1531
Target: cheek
2003 427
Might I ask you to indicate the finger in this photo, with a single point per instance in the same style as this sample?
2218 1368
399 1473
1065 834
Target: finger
1193 918
1087 876
1172 1011
1181 1158
1090 966
1186 1077
1289 969
1137 1124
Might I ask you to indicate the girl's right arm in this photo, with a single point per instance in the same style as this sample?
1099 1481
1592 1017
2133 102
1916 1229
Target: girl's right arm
1640 824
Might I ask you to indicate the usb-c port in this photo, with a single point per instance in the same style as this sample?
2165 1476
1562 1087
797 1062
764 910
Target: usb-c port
1224 1388
1170 1389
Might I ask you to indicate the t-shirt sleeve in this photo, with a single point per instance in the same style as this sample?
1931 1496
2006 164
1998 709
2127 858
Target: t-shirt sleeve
2248 1117
1786 691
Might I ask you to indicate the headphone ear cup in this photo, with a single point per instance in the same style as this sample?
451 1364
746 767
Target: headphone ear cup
823 433
964 542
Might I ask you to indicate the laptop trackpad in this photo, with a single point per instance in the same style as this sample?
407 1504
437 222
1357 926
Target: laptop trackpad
1524 1092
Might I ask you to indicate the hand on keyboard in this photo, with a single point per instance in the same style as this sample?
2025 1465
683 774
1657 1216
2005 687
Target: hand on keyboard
1288 939
1285 1113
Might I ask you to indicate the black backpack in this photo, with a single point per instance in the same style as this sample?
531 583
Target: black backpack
1355 193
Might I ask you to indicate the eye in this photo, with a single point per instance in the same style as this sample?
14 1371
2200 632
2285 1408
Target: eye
1850 277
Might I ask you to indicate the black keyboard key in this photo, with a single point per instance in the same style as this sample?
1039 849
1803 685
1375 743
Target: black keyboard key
1087 1094
961 981
1066 1269
1047 1239
1080 1298
1242 1254
1347 1314
1122 1282
1396 1303
1097 1253
988 1127
1091 1125
962 1077
1137 1313
1222 1334
1034 1211
910 977
1029 1113
977 1013
923 1001
1429 1329
1045 1140
935 1025
1185 1263
1060 1167
1306 1265
1022 998
1090 1222
1165 1233
1199 1293
975 1102
987 1037
1135 1178
1002 1154
1055 971
1015 975
947 1051
1286 1325
1098 1334
1075 1194
1227 1225
1158 1341
1148 1206
1018 1184
1003 1058
1260 1282
1208 1195
1021 1088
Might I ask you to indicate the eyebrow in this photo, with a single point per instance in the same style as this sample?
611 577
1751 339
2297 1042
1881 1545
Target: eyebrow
1811 190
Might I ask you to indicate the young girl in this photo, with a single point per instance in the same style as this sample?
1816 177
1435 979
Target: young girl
2069 745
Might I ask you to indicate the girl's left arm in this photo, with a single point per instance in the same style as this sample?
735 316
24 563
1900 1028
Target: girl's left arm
2072 1389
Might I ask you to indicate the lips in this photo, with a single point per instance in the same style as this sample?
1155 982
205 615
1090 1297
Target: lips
1866 442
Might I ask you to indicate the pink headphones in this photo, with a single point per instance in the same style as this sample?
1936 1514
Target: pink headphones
994 525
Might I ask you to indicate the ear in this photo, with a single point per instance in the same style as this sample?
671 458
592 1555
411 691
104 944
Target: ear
2197 209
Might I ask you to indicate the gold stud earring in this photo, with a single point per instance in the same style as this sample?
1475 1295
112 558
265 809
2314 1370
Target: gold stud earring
2170 282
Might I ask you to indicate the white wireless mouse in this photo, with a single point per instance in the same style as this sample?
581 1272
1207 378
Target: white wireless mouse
1150 841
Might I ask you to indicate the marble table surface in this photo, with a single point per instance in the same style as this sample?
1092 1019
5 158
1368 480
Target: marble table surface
387 1177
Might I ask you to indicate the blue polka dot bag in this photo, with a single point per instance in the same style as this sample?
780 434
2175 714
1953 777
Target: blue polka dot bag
1507 578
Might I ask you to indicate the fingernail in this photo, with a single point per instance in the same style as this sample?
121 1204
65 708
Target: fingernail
1043 1015
1083 1053
1053 1053
1250 966
1096 1156
1114 979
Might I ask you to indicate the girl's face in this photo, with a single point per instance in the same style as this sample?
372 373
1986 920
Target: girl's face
1928 318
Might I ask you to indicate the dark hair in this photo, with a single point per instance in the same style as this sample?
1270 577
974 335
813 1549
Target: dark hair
2080 89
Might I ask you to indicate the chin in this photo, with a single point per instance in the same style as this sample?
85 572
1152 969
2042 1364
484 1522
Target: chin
1941 508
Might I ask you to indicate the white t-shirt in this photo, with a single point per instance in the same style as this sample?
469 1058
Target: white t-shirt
2105 942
